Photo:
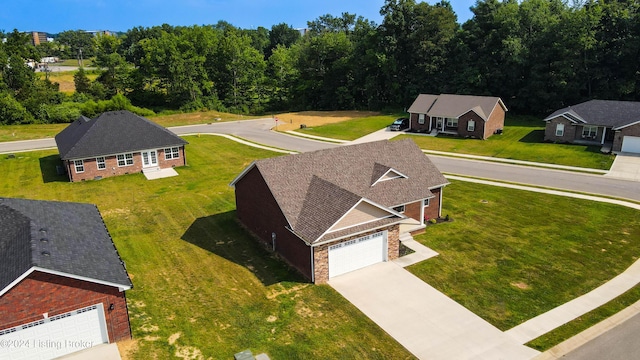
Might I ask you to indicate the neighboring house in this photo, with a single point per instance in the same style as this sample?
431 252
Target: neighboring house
332 211
462 115
62 281
117 143
615 125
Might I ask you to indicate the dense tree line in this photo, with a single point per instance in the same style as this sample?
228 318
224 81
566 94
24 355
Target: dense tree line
538 55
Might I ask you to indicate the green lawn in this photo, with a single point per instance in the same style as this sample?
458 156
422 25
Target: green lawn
29 132
352 129
522 139
197 275
511 255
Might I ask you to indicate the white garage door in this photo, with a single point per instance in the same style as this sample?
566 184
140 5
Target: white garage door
59 335
358 253
631 144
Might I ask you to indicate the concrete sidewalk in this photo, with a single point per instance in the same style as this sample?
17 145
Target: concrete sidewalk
425 321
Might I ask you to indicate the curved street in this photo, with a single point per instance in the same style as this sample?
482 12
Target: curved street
259 131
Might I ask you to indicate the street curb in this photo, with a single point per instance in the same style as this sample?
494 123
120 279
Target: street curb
241 141
589 334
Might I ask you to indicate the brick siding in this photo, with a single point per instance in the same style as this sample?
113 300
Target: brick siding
92 172
432 211
414 125
321 253
41 293
633 130
495 121
258 211
550 130
463 122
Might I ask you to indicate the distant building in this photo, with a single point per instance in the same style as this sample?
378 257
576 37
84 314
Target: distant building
38 38
99 32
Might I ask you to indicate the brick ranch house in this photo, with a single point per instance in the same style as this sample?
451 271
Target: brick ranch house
62 282
332 211
117 143
460 115
614 125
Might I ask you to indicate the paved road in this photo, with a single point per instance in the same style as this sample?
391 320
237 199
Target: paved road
619 343
565 180
258 131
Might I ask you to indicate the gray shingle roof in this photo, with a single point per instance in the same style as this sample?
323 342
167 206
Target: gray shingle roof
453 106
59 236
111 133
610 113
315 189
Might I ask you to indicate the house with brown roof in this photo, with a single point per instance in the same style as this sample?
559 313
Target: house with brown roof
336 210
117 143
614 125
460 115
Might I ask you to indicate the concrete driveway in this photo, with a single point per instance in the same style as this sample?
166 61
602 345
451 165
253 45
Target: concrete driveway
426 322
626 166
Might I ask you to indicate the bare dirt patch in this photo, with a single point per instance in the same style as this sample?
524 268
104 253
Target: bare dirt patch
281 290
292 121
127 348
520 285
173 338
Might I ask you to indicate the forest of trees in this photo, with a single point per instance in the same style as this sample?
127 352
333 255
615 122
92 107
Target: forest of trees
538 55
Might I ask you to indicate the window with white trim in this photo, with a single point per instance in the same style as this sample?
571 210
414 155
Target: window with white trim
79 164
589 131
125 159
560 130
172 153
426 202
471 125
421 118
452 122
100 163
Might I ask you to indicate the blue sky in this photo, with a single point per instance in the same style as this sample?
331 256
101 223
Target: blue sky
122 15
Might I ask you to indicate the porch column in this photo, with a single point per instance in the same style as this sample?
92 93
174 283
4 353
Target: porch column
604 132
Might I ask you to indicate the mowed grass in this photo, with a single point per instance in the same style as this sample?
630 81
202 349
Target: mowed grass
65 79
511 255
202 285
522 139
352 129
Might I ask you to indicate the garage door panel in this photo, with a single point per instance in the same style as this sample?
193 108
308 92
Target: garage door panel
358 253
56 336
631 144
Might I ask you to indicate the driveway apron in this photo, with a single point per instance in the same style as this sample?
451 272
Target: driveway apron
626 166
423 320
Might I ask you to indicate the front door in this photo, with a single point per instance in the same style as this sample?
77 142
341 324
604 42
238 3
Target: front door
149 158
439 123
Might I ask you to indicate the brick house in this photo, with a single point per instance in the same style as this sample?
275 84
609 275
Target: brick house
117 143
332 211
62 282
461 115
614 125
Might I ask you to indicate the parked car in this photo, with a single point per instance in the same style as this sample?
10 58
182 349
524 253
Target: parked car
400 124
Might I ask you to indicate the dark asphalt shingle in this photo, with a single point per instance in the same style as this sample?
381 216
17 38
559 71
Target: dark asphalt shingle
609 113
111 133
453 106
60 236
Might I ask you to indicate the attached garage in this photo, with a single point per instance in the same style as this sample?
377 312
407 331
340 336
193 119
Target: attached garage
56 336
357 253
631 144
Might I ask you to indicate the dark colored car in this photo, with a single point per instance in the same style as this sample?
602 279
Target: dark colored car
399 125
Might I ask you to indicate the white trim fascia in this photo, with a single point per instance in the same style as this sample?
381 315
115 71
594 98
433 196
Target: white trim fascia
437 187
627 125
390 211
126 152
298 236
583 121
120 287
402 176
242 174
356 233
